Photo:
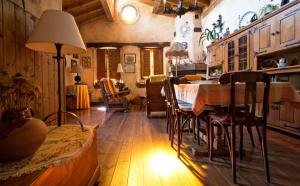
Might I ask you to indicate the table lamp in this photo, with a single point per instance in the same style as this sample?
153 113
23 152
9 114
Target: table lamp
77 69
178 51
57 32
120 69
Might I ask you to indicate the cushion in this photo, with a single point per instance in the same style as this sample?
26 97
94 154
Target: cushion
157 78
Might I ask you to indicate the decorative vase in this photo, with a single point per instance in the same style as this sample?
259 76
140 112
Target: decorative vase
20 134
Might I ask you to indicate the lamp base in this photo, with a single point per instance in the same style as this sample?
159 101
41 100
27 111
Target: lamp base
77 79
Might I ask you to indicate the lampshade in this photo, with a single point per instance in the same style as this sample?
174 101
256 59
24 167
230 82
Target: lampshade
177 50
77 69
56 27
120 69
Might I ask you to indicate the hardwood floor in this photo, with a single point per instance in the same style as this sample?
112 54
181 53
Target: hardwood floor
135 150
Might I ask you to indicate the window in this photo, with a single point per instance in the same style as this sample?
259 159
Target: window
151 62
129 14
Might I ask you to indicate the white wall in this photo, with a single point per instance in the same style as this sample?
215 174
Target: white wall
231 10
191 36
148 28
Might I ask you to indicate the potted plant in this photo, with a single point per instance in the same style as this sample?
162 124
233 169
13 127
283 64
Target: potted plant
20 133
268 8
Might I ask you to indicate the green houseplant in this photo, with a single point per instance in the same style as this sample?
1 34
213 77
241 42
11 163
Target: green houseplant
268 8
20 133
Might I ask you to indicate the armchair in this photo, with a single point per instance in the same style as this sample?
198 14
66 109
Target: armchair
113 98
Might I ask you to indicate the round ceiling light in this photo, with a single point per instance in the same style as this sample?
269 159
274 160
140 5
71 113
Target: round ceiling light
129 14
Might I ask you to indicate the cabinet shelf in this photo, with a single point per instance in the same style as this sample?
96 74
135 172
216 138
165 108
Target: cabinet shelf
282 70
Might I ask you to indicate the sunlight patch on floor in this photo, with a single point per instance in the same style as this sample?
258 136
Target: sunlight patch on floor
101 108
167 165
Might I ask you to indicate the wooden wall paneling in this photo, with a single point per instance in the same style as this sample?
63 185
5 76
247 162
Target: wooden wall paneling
9 36
17 2
20 40
51 83
1 19
45 70
2 65
36 64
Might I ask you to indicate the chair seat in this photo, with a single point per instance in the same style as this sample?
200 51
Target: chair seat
225 120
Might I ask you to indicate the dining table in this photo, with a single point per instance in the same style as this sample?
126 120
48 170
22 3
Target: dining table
205 95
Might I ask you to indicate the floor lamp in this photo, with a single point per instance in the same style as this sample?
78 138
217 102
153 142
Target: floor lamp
57 32
178 51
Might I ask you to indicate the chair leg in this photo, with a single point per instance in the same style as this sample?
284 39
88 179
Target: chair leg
198 130
168 119
172 131
207 134
251 136
259 136
265 153
241 142
195 123
233 159
211 140
178 135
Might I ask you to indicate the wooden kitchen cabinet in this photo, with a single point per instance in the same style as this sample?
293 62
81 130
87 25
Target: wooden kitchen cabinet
236 53
264 37
215 55
279 32
288 28
285 117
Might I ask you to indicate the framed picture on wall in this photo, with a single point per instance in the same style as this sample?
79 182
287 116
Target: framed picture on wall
129 68
86 61
73 62
129 58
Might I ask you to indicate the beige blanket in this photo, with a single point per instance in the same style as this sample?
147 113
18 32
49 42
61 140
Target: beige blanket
61 145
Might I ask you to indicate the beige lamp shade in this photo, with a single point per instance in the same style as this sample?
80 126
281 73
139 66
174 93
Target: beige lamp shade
177 50
76 69
120 68
56 27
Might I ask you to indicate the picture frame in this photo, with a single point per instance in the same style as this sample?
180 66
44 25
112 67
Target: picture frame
129 68
73 62
129 58
86 62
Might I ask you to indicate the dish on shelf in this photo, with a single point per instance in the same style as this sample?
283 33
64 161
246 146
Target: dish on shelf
266 64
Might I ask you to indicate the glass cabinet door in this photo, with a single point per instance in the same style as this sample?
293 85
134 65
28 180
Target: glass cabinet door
230 55
242 53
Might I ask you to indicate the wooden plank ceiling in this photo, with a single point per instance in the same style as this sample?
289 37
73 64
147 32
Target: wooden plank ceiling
158 6
86 10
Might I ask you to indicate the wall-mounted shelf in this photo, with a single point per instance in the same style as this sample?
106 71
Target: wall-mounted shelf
282 70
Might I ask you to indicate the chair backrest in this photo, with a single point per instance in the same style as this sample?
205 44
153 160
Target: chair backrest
153 91
171 81
167 91
251 80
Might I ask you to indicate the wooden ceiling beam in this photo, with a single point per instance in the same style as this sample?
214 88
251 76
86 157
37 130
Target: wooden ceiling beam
119 45
203 2
156 6
89 15
84 7
148 2
109 8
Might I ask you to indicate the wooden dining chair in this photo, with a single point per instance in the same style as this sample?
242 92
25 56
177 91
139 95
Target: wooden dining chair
183 114
245 116
168 101
223 80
